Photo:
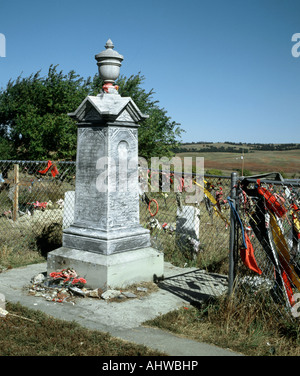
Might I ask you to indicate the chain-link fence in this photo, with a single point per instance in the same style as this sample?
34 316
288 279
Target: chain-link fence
265 240
258 222
245 228
32 198
190 234
37 202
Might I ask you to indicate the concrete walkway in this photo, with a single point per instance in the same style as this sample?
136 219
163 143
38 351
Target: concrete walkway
125 320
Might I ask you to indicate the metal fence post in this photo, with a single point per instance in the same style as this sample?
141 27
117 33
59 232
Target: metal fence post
231 275
16 192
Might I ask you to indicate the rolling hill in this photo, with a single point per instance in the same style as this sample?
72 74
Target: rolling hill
256 158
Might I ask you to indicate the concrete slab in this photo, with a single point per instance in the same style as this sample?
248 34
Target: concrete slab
123 320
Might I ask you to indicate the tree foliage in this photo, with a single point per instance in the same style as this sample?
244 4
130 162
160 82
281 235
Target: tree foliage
158 135
34 121
33 114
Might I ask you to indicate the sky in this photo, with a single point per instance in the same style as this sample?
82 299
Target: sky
222 69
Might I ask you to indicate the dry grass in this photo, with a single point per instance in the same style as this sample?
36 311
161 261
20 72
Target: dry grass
32 333
248 326
257 161
27 240
10 258
213 235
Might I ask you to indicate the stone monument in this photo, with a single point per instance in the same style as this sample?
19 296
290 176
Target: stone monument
106 243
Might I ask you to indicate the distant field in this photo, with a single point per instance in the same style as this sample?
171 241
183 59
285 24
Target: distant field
257 161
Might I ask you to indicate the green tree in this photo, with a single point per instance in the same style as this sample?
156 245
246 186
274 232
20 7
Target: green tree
34 121
6 149
33 114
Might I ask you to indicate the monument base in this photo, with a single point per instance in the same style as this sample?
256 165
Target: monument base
109 271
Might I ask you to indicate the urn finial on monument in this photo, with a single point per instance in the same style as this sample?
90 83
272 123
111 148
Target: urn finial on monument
109 63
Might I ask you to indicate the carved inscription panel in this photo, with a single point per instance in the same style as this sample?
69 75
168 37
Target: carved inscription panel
106 194
91 146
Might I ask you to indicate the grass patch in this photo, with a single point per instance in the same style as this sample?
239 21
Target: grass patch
32 333
30 238
257 161
249 326
213 233
10 258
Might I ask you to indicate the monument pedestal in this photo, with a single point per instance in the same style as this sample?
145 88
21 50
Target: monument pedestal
106 272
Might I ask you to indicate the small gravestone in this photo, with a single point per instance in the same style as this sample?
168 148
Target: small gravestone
69 203
187 229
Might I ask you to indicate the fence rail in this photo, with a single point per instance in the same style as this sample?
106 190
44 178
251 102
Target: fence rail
247 229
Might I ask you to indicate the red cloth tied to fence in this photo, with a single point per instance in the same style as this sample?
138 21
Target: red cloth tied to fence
247 255
272 201
52 167
288 288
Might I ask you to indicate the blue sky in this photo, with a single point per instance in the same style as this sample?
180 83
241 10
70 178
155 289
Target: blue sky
222 69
